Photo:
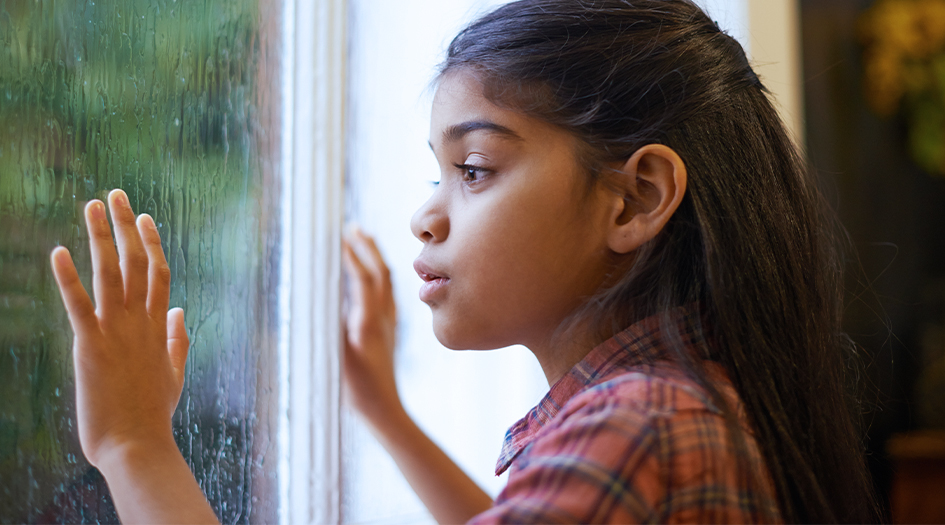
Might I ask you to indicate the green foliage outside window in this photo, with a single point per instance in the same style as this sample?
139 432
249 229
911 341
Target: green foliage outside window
170 100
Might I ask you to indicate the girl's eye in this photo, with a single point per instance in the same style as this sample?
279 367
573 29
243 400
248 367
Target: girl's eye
471 173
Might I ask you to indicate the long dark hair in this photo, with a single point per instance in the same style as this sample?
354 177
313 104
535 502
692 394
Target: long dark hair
753 241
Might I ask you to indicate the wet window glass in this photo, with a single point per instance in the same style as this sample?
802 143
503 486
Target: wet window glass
173 101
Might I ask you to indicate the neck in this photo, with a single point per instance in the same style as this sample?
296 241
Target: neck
559 350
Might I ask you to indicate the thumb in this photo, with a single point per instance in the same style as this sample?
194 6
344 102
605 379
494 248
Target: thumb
178 343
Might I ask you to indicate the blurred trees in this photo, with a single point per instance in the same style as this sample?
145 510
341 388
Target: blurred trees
163 99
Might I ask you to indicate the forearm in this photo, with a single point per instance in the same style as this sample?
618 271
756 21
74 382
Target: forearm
448 493
154 484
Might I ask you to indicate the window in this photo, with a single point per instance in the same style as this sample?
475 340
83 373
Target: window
173 101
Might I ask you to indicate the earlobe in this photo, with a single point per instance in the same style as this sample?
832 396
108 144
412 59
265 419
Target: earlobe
650 185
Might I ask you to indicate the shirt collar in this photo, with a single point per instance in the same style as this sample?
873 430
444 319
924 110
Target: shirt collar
641 343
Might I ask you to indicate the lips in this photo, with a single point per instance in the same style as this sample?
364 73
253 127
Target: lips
425 272
434 282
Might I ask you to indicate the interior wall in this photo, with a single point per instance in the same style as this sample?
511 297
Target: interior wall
775 51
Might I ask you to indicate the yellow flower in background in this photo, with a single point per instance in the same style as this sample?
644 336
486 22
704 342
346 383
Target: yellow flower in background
894 26
904 71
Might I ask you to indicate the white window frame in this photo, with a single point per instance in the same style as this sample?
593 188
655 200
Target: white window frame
313 101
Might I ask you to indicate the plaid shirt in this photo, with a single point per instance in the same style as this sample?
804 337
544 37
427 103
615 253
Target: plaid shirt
627 437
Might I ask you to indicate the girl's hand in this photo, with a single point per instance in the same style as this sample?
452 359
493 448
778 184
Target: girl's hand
129 349
449 494
370 334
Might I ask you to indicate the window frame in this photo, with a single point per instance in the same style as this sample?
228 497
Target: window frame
310 289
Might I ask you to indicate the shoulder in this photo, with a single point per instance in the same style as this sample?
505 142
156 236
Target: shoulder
645 427
624 417
655 390
645 445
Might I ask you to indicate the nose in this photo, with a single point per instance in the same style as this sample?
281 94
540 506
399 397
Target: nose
431 222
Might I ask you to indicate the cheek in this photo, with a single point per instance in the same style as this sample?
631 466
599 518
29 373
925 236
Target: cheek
512 252
518 281
493 300
530 244
524 258
516 228
484 309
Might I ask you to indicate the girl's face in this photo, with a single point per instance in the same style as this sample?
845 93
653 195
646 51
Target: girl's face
513 239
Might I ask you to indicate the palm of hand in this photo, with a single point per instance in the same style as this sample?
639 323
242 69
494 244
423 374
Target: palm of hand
129 351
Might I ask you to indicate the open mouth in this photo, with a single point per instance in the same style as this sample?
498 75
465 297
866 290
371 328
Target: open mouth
426 273
433 282
430 277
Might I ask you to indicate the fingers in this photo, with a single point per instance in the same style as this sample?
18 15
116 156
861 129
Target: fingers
370 255
373 262
107 279
134 260
159 275
360 276
78 304
178 344
372 297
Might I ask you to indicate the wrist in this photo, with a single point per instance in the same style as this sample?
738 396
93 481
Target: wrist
150 482
388 421
133 456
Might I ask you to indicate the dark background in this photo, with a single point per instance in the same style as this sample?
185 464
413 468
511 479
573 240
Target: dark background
895 215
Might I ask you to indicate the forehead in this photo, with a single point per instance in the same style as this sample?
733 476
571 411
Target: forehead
460 108
459 91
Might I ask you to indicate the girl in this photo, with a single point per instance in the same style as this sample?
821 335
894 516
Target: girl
619 196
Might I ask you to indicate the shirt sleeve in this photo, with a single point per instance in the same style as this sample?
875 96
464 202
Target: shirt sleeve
600 465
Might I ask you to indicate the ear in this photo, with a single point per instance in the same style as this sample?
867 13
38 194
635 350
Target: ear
649 187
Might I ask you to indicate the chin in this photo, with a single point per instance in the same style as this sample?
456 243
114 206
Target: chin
462 336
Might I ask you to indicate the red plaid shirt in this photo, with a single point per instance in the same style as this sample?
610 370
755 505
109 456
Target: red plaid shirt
627 437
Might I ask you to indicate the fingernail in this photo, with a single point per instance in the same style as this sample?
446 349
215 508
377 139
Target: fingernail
97 210
61 254
355 228
120 198
149 221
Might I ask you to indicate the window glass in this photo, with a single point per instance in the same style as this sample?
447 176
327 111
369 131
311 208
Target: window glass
173 101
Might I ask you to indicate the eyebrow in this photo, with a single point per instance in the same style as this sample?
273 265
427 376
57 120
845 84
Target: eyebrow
458 131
